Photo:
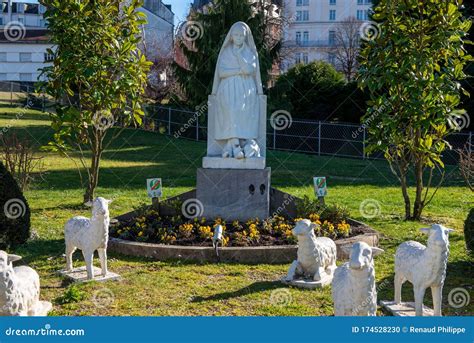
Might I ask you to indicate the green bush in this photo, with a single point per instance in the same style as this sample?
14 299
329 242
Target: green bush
306 207
469 231
14 212
319 82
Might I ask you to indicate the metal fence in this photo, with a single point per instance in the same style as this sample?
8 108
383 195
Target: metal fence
305 136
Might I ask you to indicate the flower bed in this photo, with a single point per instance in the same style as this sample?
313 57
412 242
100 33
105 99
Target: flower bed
147 225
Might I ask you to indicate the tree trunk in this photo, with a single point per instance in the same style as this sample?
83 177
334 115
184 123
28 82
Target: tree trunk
406 197
94 169
418 206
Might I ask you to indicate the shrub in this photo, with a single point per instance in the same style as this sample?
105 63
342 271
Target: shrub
20 159
469 231
14 212
320 82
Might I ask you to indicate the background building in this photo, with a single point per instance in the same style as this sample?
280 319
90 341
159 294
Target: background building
310 33
24 40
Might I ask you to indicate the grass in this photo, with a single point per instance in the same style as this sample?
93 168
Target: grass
186 288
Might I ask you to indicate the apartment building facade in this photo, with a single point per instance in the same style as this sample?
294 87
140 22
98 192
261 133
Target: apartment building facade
24 37
310 33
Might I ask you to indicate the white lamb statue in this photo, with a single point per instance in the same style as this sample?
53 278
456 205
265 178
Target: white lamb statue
316 255
89 235
20 289
424 267
353 285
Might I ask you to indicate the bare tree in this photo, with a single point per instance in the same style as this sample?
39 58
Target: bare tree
466 164
347 45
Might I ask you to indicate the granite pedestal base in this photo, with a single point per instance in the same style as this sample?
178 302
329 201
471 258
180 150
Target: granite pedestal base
234 194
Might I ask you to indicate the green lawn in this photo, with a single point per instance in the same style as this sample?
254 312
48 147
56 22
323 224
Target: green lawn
184 288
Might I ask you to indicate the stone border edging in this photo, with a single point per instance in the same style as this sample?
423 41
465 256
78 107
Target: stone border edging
247 255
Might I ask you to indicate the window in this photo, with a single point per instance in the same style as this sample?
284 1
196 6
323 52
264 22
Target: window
1 21
366 15
48 57
298 37
332 58
42 22
332 37
332 2
21 20
3 76
302 15
298 58
32 8
3 56
26 77
305 37
305 58
368 2
25 56
332 14
360 2
4 7
360 15
21 8
302 2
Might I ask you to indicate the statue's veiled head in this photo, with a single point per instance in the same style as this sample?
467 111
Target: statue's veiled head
239 34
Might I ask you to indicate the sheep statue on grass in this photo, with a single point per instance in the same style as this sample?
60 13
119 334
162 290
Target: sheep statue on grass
424 267
316 258
353 285
89 235
20 289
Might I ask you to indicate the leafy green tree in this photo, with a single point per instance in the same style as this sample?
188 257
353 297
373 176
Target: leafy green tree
98 75
411 69
201 38
307 90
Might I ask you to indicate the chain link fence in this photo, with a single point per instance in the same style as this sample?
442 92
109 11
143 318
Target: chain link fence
305 136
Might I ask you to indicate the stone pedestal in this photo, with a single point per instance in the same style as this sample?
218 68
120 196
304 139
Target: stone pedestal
309 284
234 194
233 163
404 309
80 275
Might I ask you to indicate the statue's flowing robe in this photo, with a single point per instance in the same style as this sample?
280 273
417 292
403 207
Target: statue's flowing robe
237 100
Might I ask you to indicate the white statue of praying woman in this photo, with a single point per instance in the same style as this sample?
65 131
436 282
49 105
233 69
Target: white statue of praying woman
237 86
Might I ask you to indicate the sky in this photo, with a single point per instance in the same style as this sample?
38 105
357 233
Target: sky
180 9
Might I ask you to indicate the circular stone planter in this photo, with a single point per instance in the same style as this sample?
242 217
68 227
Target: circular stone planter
248 255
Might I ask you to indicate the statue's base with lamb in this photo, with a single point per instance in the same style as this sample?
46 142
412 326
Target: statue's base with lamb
316 261
89 235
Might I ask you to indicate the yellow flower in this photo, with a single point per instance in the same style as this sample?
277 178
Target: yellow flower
140 234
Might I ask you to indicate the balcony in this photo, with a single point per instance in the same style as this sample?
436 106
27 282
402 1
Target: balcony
309 43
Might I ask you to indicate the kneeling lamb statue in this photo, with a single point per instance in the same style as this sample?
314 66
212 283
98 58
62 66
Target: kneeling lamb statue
316 255
424 267
20 289
89 235
353 285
